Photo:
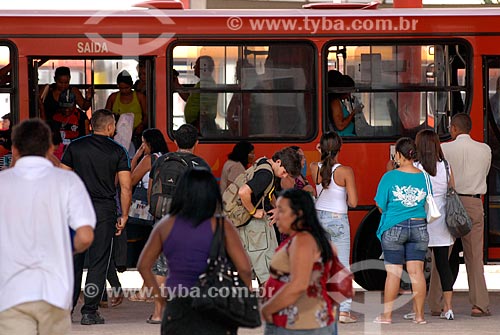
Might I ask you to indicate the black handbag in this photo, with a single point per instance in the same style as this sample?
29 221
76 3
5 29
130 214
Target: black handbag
222 294
458 221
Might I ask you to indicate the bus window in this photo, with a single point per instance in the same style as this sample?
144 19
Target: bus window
403 87
245 91
98 76
6 82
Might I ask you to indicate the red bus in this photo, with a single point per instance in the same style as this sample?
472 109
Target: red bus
413 69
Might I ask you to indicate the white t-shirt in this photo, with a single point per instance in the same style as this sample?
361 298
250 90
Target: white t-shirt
38 205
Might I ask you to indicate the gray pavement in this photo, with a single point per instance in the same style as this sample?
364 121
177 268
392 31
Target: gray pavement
130 318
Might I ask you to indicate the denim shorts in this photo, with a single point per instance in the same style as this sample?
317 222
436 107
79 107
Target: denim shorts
406 241
271 329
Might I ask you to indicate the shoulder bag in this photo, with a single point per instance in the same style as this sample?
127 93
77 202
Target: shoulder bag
222 294
339 284
431 208
457 219
139 208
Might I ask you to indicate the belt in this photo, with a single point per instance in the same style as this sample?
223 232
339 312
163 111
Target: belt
470 195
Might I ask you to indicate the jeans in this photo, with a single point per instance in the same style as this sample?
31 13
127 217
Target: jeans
337 226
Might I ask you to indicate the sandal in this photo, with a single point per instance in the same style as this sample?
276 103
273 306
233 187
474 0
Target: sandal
478 312
153 322
381 321
347 317
115 301
409 316
137 297
420 322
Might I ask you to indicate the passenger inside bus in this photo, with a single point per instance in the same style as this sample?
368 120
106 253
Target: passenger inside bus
126 100
201 108
5 75
340 118
238 110
140 84
59 104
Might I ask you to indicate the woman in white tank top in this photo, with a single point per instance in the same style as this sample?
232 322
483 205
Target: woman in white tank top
336 189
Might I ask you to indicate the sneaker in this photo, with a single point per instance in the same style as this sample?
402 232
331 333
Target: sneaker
92 319
447 315
347 317
409 316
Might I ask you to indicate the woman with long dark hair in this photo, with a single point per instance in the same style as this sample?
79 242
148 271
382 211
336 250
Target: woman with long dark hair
297 299
238 160
431 160
184 237
400 197
336 189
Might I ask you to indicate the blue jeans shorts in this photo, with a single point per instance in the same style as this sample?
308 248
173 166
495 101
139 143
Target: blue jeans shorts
406 241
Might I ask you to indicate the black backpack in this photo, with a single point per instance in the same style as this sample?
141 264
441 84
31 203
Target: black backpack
168 169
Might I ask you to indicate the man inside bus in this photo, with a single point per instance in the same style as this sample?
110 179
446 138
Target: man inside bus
495 103
201 108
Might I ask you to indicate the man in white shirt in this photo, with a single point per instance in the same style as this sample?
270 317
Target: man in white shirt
471 162
39 204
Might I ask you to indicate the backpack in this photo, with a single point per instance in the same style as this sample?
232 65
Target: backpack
169 169
233 208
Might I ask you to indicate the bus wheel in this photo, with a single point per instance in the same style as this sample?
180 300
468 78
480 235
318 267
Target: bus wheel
368 264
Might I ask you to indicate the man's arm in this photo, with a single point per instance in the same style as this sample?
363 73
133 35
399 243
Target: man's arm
125 180
65 167
83 239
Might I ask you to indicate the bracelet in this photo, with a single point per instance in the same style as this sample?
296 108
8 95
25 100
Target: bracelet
252 213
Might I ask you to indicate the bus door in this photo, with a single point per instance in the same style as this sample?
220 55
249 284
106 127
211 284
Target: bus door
491 96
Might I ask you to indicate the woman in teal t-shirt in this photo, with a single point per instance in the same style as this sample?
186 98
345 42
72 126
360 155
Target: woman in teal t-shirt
401 197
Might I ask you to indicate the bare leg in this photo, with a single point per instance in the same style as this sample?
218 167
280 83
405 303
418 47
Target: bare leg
416 272
158 311
391 288
447 300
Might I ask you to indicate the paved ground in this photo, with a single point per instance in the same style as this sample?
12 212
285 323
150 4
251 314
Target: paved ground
130 317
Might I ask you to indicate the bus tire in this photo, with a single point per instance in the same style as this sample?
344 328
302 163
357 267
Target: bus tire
367 247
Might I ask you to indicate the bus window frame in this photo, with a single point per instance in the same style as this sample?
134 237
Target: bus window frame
314 91
13 88
468 87
150 66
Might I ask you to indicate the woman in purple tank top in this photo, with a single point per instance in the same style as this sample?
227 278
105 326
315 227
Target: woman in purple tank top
184 237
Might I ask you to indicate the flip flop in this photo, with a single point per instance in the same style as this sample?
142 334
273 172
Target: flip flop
153 322
382 321
115 301
420 322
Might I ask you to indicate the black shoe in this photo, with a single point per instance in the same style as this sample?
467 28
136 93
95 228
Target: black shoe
92 319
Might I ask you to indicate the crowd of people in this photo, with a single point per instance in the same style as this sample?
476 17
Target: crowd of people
287 245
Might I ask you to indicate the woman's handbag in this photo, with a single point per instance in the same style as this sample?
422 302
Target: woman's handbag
139 208
339 285
457 219
431 208
222 294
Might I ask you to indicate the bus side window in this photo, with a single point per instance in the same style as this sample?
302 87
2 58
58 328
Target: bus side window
404 87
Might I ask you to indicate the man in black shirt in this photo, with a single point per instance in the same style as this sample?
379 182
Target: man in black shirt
97 159
258 236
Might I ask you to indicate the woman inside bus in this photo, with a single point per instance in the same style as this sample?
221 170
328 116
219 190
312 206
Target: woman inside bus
400 197
296 299
238 160
341 120
59 102
431 160
184 237
336 189
127 100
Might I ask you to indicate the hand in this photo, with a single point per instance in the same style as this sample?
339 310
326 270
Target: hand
259 214
273 216
120 225
268 317
90 93
141 150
